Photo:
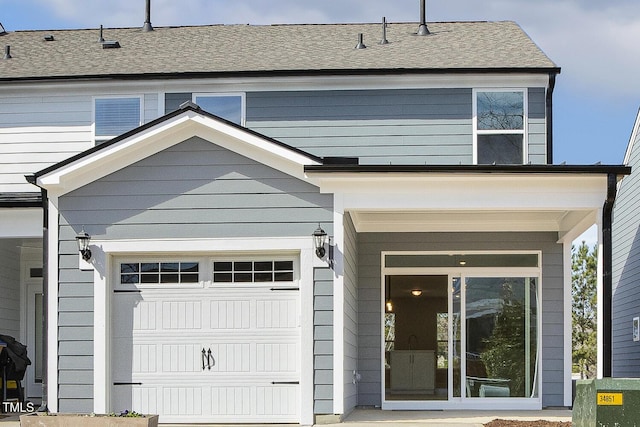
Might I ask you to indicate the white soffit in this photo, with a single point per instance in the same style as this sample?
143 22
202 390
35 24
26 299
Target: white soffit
21 223
166 134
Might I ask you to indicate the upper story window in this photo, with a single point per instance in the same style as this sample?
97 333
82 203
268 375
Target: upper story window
114 116
229 106
500 127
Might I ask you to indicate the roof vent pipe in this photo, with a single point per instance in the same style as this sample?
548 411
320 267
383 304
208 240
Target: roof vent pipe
7 52
423 30
384 32
100 39
360 44
147 18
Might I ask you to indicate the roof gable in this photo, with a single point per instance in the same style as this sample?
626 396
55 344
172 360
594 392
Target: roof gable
163 133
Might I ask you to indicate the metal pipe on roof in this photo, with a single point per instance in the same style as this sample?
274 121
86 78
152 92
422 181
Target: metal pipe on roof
147 18
360 44
384 31
7 52
423 30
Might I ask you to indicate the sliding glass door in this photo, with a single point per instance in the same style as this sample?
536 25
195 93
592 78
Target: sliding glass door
459 333
501 336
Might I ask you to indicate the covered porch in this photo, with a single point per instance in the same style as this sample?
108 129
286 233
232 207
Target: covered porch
487 250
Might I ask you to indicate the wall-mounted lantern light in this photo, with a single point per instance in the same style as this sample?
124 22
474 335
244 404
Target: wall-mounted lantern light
319 240
83 238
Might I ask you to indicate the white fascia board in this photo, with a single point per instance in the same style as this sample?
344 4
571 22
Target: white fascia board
115 157
21 223
166 134
466 191
289 83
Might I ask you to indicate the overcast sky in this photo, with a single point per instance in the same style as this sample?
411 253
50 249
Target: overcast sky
595 42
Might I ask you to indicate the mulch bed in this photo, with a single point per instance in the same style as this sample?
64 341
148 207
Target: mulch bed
539 423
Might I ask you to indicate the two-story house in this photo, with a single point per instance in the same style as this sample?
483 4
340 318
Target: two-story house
288 221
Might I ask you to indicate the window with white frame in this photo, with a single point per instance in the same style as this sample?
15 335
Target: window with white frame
114 116
229 106
258 271
500 126
159 272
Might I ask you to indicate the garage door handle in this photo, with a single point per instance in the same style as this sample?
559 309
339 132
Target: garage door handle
207 359
285 382
210 360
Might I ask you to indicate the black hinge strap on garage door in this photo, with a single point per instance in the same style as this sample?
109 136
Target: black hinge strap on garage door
122 291
127 383
284 382
285 289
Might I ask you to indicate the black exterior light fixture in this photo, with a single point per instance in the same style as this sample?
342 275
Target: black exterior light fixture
83 238
319 240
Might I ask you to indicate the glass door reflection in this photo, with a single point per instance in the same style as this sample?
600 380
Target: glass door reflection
416 331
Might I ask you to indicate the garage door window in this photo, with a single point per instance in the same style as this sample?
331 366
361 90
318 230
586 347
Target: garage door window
159 273
252 271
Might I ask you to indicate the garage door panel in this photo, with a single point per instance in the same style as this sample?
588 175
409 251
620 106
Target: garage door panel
181 358
277 314
181 315
277 357
134 314
224 402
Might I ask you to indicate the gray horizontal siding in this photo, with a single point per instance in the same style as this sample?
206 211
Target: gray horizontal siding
370 246
625 272
195 189
378 126
323 341
409 126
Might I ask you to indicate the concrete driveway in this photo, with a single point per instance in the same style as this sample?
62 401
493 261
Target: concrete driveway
373 417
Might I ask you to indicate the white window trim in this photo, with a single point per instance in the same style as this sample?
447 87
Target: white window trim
106 254
454 403
243 101
98 139
525 121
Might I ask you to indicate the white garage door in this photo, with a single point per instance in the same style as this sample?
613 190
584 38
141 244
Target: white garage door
223 349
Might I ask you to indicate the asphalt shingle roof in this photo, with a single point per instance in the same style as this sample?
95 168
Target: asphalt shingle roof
285 49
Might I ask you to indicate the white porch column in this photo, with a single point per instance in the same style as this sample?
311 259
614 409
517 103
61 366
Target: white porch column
568 330
600 301
338 305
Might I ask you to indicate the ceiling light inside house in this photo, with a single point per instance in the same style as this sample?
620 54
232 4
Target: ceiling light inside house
416 292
